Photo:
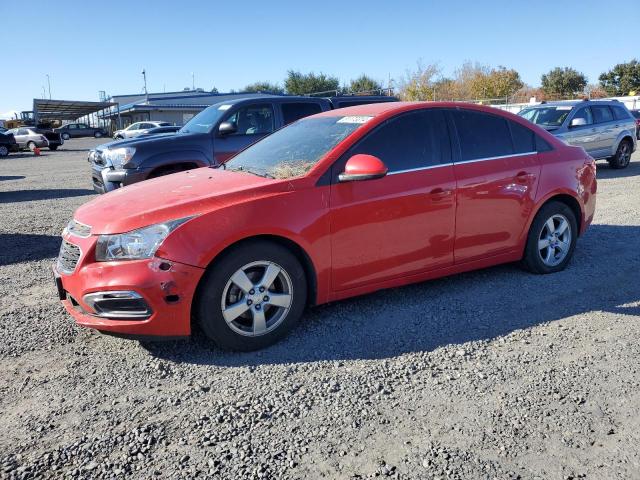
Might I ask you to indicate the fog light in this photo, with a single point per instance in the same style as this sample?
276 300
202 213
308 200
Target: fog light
118 305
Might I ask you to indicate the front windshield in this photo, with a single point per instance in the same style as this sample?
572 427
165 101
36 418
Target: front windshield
293 150
205 120
551 116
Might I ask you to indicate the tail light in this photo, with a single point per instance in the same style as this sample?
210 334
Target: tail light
43 138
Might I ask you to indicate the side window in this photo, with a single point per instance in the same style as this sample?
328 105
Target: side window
22 131
523 139
253 120
295 111
82 125
584 113
482 135
413 140
73 126
601 114
620 113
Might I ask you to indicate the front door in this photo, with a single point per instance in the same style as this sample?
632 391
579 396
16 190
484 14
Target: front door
252 123
583 135
402 223
497 172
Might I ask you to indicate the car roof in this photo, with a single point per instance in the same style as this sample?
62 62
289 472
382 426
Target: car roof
574 103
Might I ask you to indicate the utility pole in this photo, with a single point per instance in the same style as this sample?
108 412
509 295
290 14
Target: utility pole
44 94
144 76
193 81
49 84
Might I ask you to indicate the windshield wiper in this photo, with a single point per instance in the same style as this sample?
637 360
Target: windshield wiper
253 172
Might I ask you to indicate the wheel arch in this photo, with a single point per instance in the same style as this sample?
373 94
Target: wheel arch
569 200
171 168
294 247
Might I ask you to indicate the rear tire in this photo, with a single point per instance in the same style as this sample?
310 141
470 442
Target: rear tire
246 283
551 240
53 147
97 134
66 136
622 158
31 146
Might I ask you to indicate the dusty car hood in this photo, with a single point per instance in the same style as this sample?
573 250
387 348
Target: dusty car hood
167 198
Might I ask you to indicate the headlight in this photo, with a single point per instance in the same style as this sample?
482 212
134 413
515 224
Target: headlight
137 244
120 156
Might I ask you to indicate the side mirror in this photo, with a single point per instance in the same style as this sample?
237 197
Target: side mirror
578 122
227 128
363 167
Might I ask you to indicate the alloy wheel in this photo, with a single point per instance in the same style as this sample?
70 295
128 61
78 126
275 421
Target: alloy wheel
554 240
624 154
257 298
4 151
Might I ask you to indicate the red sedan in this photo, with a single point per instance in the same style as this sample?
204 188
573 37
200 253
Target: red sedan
335 205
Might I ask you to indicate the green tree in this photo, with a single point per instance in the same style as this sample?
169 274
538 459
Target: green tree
563 82
298 83
363 84
266 87
622 79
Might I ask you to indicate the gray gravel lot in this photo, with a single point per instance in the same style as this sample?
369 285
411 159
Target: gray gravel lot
492 374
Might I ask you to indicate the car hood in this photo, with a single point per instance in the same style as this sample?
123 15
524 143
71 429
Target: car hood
176 138
180 195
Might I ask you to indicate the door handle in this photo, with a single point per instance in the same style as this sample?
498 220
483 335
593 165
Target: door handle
524 177
439 193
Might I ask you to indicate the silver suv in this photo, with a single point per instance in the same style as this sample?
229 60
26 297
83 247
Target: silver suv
604 128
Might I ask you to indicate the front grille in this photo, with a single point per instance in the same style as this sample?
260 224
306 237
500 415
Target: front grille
68 257
78 229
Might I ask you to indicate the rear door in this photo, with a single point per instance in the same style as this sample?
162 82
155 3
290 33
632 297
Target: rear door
605 129
497 177
252 122
292 111
403 223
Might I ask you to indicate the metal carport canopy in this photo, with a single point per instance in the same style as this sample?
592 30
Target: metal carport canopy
66 109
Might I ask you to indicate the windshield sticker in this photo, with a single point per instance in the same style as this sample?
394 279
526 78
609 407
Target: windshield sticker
355 119
224 107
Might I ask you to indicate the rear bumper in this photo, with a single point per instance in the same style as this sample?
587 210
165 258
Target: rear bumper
169 293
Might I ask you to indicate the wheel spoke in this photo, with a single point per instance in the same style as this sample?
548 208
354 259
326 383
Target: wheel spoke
550 254
234 311
259 322
550 226
241 280
543 243
562 227
563 246
279 300
270 274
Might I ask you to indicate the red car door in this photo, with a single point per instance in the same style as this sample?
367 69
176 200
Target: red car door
402 223
497 172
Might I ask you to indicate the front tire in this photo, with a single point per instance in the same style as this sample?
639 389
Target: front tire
4 151
97 134
252 297
66 136
53 147
552 239
622 158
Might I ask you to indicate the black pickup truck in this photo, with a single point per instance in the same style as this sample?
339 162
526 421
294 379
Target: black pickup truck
210 138
7 144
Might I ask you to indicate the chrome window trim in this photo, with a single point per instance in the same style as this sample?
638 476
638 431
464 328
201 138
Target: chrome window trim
429 167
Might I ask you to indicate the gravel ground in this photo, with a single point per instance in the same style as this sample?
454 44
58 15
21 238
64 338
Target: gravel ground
491 374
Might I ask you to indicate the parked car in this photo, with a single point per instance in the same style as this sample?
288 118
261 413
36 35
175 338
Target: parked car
76 130
29 138
335 205
7 144
2 129
161 130
138 128
604 128
210 138
636 115
55 139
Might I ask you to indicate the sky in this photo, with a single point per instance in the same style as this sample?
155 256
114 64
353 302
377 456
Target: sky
87 46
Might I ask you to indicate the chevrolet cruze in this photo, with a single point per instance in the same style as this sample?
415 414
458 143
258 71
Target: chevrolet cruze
335 205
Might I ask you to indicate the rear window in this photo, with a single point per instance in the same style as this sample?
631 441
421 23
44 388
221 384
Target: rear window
601 113
523 138
295 111
482 135
620 113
